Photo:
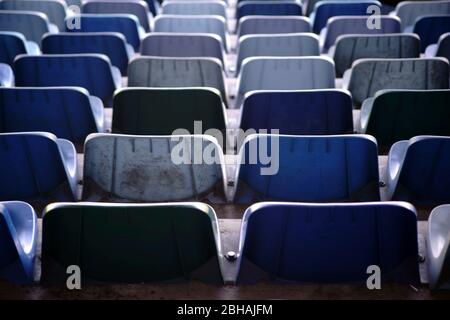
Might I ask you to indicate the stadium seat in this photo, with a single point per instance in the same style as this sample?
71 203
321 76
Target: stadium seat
438 248
37 167
137 8
328 9
338 26
18 241
183 45
419 171
440 49
33 25
147 111
329 243
178 72
268 8
12 44
304 112
152 168
68 113
126 24
309 5
6 75
111 44
214 7
349 48
430 29
193 24
394 115
284 73
272 25
320 168
93 72
55 10
410 11
131 243
283 45
367 76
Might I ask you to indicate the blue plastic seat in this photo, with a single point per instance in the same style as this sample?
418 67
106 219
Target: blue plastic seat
430 28
55 10
410 11
137 8
111 44
328 9
307 168
308 112
18 241
161 44
6 76
329 243
11 45
272 25
338 26
193 24
93 72
37 168
33 25
441 49
438 248
126 24
68 113
284 73
268 8
419 170
210 7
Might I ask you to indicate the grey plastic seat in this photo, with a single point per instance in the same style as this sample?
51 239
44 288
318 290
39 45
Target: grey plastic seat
193 24
438 247
300 44
272 25
160 72
6 75
338 26
349 48
152 168
409 11
55 10
217 8
183 45
367 76
284 73
33 25
135 7
12 44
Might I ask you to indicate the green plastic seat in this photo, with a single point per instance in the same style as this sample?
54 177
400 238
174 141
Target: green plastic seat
131 243
160 111
394 115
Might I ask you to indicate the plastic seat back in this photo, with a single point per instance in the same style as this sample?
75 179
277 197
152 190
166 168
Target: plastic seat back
272 25
430 29
33 25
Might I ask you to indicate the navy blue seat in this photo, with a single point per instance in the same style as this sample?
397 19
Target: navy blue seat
68 113
419 170
430 28
37 168
327 9
6 75
268 8
18 241
307 168
90 71
126 24
11 45
111 44
440 49
329 243
307 112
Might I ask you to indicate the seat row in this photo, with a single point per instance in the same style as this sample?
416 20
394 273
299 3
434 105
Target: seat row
39 168
71 113
279 242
